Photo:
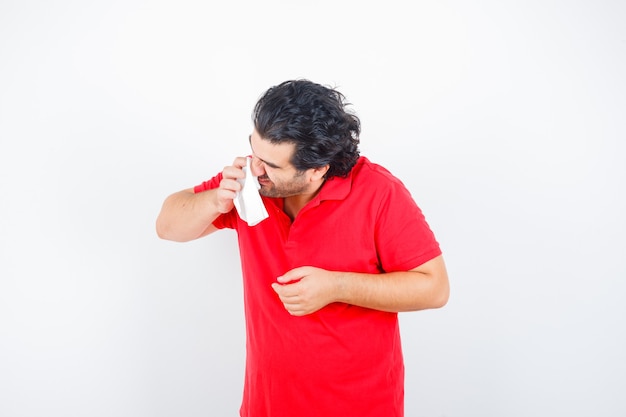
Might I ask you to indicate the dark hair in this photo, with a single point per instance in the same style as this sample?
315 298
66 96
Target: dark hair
315 119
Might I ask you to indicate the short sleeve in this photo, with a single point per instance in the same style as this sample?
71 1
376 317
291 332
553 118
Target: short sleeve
227 220
404 239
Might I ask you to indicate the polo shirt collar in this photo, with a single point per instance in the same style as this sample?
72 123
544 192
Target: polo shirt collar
336 188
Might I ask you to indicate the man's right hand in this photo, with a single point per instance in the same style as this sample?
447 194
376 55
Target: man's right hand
229 186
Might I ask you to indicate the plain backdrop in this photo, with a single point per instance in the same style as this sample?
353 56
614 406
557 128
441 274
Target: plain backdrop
504 119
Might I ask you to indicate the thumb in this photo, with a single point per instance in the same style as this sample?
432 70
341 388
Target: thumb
295 274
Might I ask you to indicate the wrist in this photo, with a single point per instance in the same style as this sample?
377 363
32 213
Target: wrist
340 281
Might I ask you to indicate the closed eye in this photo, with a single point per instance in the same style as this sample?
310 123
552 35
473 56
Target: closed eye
269 164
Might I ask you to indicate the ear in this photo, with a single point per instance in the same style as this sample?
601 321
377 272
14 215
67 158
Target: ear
319 173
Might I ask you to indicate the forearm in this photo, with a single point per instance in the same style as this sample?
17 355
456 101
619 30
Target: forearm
395 291
186 215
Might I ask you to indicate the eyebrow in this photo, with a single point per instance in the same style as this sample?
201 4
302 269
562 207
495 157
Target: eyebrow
270 164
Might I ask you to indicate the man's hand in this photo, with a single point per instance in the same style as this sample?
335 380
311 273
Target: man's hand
229 186
306 289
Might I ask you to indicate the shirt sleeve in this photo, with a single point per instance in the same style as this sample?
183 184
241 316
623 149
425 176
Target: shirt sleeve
227 220
403 237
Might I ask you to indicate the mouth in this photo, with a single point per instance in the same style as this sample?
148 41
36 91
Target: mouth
263 180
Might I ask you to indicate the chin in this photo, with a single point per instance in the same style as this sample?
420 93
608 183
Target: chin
266 191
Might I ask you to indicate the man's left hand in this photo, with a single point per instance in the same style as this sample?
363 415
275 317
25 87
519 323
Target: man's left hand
306 289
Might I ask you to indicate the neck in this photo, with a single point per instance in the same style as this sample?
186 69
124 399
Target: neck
293 204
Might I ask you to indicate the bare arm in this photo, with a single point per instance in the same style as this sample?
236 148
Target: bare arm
421 288
186 215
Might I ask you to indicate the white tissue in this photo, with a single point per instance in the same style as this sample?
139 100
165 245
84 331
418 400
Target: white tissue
248 200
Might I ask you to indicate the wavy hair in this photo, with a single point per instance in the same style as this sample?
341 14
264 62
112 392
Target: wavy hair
314 118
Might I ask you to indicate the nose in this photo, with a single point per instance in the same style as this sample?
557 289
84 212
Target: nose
257 167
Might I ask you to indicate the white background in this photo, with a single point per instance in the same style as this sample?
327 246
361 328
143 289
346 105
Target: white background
504 119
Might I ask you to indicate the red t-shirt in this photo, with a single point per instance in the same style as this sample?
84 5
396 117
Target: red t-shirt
342 360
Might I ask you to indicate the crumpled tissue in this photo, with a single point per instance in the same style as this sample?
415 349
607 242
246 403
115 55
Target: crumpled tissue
248 201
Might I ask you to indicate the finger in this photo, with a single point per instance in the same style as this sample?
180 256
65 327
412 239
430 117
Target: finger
295 309
225 195
230 185
233 172
290 303
240 162
285 292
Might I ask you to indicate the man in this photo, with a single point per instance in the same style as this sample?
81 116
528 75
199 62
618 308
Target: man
344 249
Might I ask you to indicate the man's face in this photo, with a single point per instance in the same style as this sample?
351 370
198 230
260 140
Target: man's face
272 164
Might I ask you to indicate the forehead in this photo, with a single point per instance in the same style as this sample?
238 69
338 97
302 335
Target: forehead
274 154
